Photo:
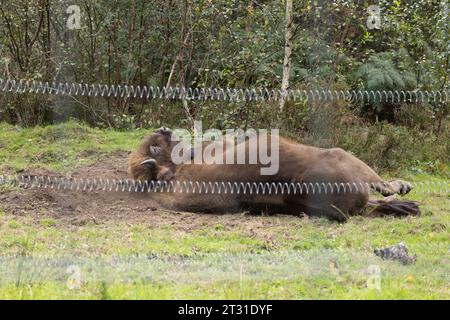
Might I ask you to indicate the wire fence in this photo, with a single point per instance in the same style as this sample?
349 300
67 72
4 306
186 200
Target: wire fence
210 187
23 86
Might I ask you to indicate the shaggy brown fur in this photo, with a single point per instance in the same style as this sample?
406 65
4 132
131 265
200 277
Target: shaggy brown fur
163 167
298 163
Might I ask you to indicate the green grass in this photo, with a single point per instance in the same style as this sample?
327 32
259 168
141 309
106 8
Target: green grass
319 259
61 147
318 241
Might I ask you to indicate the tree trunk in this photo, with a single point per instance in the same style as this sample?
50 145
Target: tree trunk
185 34
287 54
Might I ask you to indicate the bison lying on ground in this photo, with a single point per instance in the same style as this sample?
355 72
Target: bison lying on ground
297 163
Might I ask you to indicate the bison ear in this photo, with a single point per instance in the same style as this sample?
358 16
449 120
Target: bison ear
165 131
155 151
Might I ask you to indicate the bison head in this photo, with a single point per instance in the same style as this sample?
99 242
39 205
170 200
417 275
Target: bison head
152 160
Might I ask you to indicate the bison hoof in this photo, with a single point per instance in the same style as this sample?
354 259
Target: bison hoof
402 187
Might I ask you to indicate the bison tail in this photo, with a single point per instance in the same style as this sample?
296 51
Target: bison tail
397 208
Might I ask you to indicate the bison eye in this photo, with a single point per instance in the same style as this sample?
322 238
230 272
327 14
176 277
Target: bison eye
155 151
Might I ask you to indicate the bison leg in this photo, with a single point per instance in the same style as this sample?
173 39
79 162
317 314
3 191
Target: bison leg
351 169
328 211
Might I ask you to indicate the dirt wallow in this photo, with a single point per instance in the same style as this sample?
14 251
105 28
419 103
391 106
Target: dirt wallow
82 207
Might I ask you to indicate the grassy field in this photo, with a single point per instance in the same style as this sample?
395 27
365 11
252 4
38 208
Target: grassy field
166 254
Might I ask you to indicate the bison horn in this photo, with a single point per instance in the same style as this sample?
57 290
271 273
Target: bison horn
149 163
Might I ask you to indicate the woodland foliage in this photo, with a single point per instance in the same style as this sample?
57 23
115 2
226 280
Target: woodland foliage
220 43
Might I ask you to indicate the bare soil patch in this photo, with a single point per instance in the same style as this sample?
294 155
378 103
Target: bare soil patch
82 207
